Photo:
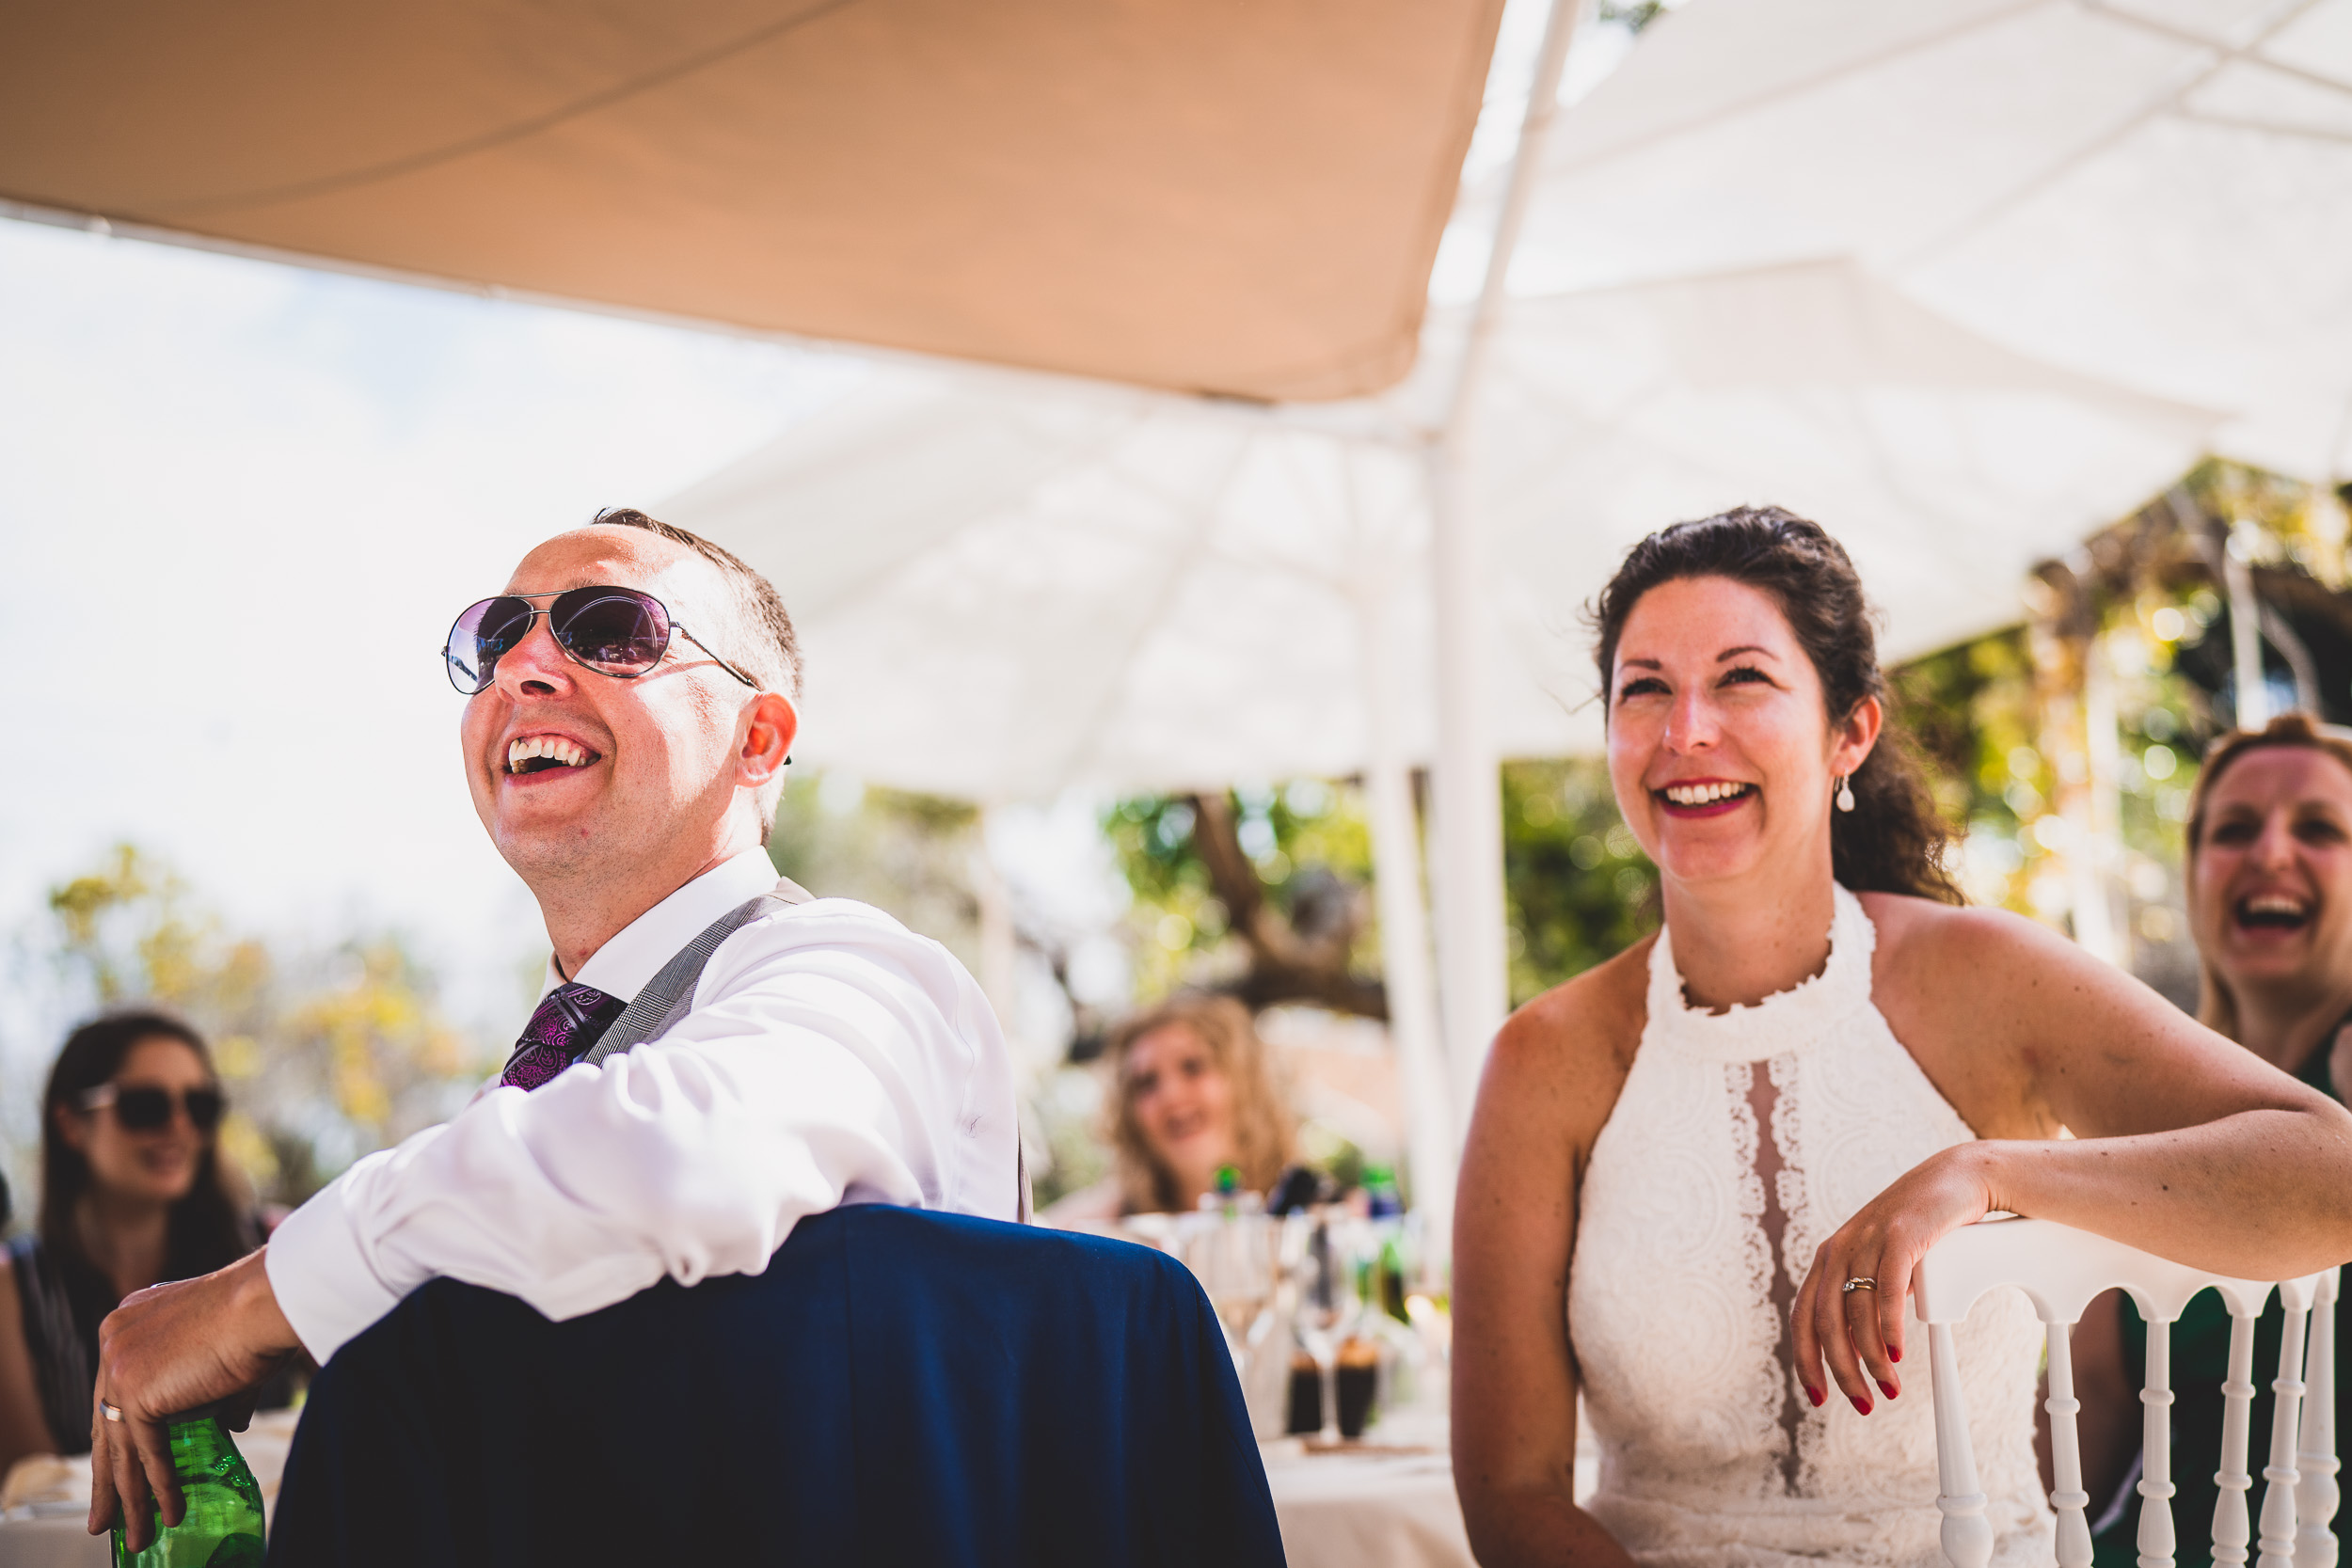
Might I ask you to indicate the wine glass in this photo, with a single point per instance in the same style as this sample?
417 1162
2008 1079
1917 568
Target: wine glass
1232 1256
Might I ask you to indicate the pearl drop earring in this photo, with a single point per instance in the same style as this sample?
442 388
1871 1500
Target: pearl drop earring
1845 792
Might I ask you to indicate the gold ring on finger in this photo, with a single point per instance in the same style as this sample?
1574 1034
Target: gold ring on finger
1853 1285
112 1412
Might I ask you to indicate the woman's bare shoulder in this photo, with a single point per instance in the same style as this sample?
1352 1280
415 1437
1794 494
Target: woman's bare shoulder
1981 996
1579 1035
1923 940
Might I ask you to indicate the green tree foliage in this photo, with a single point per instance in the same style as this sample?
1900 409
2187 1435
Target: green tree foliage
906 853
1305 852
326 1054
1577 887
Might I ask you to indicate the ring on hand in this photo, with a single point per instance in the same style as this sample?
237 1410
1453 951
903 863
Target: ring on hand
112 1412
1853 1285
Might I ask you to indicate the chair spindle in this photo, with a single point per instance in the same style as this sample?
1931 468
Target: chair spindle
2159 1541
2233 1525
2316 1496
2063 1270
2066 1453
1967 1534
2280 1477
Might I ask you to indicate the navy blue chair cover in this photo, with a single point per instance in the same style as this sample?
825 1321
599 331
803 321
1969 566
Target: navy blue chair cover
897 1387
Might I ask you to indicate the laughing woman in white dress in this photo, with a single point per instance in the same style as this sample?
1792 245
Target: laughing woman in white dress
1818 1068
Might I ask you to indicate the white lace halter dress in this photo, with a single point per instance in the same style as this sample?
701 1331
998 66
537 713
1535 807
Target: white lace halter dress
1741 1141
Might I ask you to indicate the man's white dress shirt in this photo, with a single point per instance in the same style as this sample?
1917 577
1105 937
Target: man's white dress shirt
832 1057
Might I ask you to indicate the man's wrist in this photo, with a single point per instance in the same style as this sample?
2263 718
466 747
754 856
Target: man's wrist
254 1304
320 1275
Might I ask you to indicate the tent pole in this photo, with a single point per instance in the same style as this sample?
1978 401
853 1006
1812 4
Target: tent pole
1404 927
999 942
2246 649
1474 982
1543 108
2098 856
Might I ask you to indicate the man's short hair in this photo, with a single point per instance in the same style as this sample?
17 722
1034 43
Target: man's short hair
775 654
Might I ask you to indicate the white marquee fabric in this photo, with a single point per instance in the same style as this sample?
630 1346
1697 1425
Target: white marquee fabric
1005 587
2156 193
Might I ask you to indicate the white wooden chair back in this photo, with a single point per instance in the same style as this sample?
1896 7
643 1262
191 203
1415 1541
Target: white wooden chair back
2062 1270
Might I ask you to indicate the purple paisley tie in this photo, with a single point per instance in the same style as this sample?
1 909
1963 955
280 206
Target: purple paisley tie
570 1019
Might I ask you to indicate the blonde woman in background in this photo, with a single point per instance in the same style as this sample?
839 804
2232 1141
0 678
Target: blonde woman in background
1193 1091
2268 877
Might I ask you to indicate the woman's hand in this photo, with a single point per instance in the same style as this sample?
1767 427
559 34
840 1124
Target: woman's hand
1860 1330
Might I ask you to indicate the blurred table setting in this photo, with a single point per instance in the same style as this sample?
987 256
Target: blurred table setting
1341 1341
44 1499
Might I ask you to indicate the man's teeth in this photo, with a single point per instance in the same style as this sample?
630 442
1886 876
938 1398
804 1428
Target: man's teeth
555 750
1700 795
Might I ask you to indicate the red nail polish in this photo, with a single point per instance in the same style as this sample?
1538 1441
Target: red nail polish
1862 1404
1815 1395
1886 1388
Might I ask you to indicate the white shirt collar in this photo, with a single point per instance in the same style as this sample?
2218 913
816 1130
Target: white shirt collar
636 953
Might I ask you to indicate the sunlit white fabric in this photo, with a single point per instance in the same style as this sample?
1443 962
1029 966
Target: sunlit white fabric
832 1057
1014 587
1671 1307
2146 191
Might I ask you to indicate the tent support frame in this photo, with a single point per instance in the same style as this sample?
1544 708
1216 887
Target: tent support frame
1472 953
1396 857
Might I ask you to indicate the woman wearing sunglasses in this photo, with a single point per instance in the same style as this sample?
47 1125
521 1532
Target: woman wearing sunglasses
133 1191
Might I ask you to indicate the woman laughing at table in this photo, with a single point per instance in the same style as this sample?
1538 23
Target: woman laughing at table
1699 1175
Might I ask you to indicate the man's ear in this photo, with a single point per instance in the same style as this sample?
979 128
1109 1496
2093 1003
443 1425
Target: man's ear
766 740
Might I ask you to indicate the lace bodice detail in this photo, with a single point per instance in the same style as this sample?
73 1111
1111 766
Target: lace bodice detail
1741 1140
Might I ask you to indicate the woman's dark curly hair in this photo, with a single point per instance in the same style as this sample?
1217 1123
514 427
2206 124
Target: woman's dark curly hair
1893 841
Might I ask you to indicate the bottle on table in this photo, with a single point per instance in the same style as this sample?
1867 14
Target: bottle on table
1305 1411
222 1526
1357 1380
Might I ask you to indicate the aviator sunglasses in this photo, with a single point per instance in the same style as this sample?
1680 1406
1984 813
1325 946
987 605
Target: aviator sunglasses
614 631
147 1109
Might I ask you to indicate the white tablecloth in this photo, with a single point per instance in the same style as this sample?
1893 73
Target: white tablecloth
1367 1509
56 1542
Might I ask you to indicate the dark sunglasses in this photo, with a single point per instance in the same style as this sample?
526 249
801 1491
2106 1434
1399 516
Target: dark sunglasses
614 631
144 1110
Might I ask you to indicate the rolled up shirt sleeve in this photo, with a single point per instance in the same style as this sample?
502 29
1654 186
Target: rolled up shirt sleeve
831 1057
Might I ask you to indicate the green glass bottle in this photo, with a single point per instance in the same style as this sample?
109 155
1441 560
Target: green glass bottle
222 1527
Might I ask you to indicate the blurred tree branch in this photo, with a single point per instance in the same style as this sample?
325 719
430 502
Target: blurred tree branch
1286 964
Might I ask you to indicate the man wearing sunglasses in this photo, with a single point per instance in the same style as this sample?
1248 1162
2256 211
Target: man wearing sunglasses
789 1055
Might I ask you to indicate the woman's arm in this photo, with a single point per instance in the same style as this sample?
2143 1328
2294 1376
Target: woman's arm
24 1428
1549 1083
2188 1146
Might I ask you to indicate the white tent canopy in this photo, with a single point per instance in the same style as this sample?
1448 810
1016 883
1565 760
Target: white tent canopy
1964 279
1008 588
2155 193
